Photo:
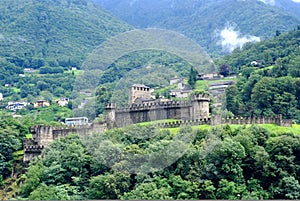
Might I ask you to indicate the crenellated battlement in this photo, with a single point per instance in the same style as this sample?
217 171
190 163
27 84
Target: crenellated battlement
201 97
33 148
153 106
176 124
232 121
111 106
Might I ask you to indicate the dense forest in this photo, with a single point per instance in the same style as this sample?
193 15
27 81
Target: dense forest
268 82
218 163
53 33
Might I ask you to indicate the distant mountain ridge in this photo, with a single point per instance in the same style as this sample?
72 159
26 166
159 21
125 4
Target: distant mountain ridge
34 33
289 6
203 21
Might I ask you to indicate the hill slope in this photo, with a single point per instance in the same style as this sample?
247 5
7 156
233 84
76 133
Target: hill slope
269 77
204 21
290 6
38 32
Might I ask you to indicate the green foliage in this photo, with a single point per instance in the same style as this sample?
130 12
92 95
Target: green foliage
148 191
224 70
65 169
109 186
192 77
289 188
220 163
271 88
12 132
51 70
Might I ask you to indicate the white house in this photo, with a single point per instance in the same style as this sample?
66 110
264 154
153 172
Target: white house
16 105
175 80
63 102
1 97
183 91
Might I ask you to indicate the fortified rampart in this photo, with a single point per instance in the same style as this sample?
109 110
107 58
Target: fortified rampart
42 136
217 120
197 108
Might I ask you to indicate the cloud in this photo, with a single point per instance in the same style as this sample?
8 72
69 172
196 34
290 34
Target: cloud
271 2
296 1
231 39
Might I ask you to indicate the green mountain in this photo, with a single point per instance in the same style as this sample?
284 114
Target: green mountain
289 6
217 25
269 77
37 33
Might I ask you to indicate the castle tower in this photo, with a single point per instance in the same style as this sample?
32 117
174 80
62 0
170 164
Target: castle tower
111 115
200 106
139 91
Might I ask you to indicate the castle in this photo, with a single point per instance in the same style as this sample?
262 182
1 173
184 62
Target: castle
142 108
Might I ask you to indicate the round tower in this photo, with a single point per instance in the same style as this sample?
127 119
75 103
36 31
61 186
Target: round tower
110 115
200 106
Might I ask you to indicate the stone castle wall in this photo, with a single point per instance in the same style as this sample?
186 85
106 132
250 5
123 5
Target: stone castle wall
42 136
197 108
218 120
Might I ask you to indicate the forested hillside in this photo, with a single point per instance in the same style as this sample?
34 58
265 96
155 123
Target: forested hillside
204 21
218 163
53 33
269 77
290 6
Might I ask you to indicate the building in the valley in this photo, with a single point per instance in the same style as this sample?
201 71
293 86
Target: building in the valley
29 70
16 105
41 103
183 91
175 80
209 76
63 102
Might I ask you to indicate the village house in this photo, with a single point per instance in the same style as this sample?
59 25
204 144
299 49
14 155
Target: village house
209 76
41 103
63 102
175 80
8 85
29 70
16 105
182 91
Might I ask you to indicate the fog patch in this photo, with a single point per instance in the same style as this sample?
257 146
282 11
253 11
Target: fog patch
270 2
231 38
